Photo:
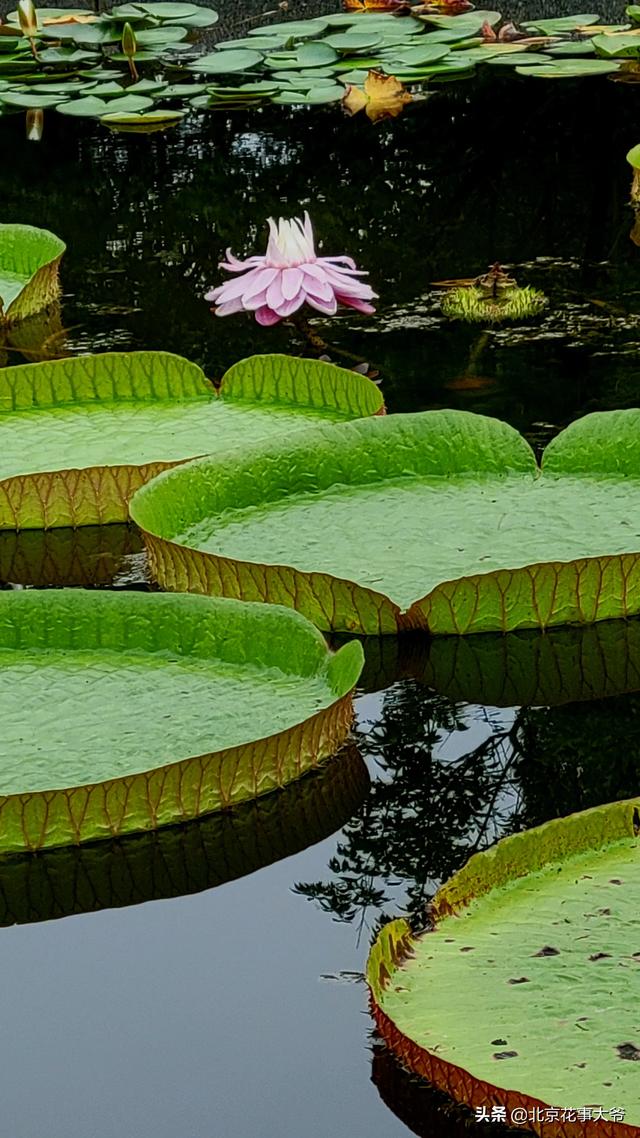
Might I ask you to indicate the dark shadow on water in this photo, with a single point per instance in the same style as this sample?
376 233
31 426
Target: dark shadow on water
181 860
425 1111
89 557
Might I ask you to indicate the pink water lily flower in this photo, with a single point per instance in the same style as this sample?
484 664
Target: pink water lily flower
289 275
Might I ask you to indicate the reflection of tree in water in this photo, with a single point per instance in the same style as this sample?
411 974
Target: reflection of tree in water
427 812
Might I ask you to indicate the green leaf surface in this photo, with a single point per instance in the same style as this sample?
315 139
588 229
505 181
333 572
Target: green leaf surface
173 707
633 156
292 29
164 10
176 861
29 263
88 107
466 25
183 90
79 435
419 55
160 37
66 55
570 69
539 935
129 105
100 33
144 122
623 45
561 25
521 59
29 99
226 62
313 97
436 520
581 47
314 55
253 43
356 42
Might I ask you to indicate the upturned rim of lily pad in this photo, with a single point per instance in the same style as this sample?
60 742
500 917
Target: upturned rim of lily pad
439 445
180 860
79 494
160 628
509 860
32 255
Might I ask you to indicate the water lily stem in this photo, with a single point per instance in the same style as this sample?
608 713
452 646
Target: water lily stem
318 344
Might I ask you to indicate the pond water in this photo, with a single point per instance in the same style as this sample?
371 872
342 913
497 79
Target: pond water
208 983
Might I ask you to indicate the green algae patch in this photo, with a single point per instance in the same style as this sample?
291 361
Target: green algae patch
178 860
537 942
440 521
127 711
29 266
79 436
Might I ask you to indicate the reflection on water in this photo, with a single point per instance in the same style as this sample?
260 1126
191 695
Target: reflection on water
414 200
202 1013
92 556
459 764
180 860
424 1110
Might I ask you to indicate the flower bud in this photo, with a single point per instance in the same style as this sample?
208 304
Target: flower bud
129 41
27 18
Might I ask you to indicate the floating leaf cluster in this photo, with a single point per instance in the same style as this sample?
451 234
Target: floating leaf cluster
89 66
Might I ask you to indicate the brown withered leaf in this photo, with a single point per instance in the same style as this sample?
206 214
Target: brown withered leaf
382 97
376 5
628 73
70 19
442 8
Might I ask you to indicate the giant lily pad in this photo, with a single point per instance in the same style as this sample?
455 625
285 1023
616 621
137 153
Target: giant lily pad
78 436
29 262
126 711
180 860
539 937
439 520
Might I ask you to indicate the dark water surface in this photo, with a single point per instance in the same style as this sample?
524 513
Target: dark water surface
208 1004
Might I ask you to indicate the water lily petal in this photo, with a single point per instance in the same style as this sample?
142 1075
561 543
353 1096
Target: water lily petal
234 265
328 307
348 261
259 282
355 302
348 285
245 285
291 282
333 264
258 300
290 306
267 316
229 307
317 286
275 296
